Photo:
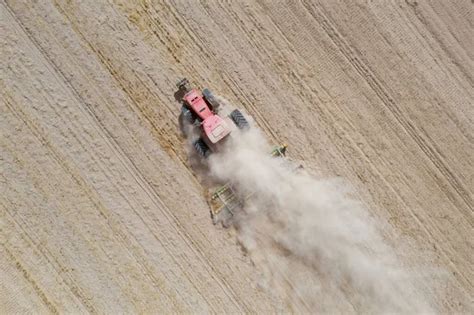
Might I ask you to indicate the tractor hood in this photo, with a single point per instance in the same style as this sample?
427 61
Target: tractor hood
215 128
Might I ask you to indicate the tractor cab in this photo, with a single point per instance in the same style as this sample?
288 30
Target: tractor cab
197 104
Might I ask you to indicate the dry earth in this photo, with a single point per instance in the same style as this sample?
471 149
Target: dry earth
99 209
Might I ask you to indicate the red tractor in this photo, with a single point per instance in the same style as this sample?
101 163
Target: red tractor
202 110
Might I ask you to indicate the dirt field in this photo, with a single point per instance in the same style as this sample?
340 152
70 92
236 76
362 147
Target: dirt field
100 210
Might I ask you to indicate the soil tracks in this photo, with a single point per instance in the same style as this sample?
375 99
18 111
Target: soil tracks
99 210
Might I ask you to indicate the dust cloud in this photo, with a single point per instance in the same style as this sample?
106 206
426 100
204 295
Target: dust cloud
309 235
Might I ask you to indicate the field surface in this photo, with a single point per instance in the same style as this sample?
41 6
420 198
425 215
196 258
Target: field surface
100 210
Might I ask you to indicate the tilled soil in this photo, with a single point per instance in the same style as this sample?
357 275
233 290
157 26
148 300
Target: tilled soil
100 210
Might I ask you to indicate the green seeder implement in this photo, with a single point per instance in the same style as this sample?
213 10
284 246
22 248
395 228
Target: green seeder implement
224 201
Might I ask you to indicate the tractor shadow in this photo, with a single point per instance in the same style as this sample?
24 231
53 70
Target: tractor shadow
183 128
179 94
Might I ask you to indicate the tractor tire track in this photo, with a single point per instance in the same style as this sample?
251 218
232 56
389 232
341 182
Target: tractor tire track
133 170
107 215
377 87
87 93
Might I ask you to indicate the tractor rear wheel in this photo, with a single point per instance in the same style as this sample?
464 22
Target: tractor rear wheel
201 148
210 99
239 119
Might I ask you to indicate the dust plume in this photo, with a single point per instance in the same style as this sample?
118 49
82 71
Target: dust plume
309 236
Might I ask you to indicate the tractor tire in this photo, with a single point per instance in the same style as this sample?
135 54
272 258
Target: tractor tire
210 100
188 115
239 119
201 148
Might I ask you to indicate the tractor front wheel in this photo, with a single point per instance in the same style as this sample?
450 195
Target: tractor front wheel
210 100
189 116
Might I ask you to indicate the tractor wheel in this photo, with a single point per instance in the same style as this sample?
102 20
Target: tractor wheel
201 148
210 99
188 115
239 119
